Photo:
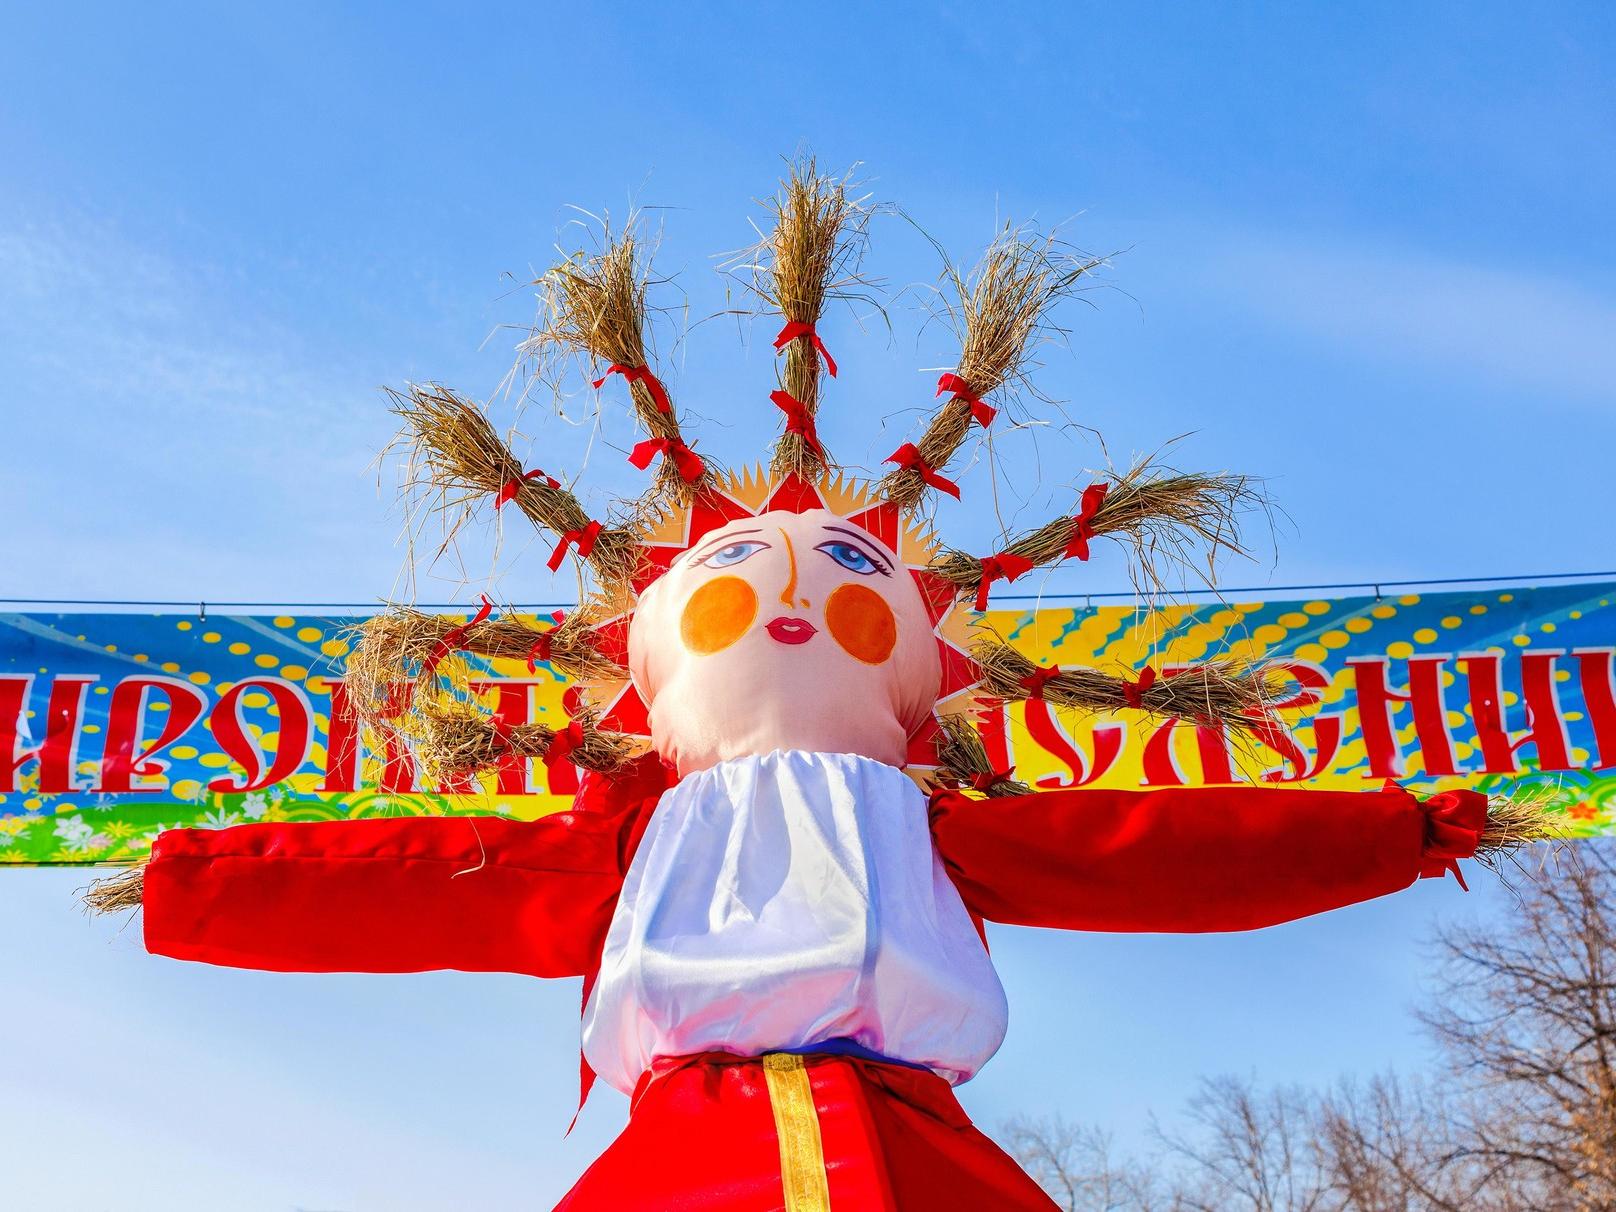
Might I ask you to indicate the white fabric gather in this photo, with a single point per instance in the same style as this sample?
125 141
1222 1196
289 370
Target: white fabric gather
782 901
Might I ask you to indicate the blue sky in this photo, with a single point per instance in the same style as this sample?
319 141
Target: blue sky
1363 251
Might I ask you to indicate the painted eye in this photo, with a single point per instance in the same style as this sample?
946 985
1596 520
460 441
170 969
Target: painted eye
735 553
851 558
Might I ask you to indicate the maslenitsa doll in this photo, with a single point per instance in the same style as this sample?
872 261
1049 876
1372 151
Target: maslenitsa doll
788 833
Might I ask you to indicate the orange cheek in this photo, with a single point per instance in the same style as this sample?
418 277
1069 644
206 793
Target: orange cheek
862 623
718 614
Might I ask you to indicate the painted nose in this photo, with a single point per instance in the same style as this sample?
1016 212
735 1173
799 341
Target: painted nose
788 595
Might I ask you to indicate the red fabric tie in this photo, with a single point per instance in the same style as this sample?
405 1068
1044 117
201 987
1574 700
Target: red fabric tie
1134 692
1454 822
513 486
795 330
907 457
985 782
564 742
1001 567
583 539
981 413
686 461
1083 525
541 646
639 374
1038 679
798 419
453 638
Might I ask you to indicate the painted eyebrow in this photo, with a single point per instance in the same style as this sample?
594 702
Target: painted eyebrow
719 543
882 564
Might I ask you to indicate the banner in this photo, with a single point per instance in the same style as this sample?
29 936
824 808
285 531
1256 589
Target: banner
116 726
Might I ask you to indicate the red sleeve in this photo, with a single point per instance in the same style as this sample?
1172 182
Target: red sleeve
1192 860
481 894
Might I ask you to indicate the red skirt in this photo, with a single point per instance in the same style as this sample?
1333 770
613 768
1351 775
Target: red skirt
803 1134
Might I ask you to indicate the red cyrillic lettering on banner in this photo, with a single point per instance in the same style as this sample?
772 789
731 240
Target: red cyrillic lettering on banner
57 754
1376 701
1311 683
126 727
1545 724
344 751
1047 732
1597 673
292 745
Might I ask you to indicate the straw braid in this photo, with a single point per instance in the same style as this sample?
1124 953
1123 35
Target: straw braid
999 310
458 450
458 741
1161 514
1232 693
809 256
963 761
595 304
403 646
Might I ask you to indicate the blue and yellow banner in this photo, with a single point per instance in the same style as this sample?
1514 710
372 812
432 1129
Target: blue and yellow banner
115 726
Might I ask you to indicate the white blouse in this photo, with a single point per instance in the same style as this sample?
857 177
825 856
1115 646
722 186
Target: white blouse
788 900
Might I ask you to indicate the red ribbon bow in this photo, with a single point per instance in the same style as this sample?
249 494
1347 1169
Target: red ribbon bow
798 419
907 457
1133 692
540 652
639 374
453 638
1083 525
564 742
1001 567
686 461
513 486
981 413
1040 678
985 782
1454 821
795 330
583 539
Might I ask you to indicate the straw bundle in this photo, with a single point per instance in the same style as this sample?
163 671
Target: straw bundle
1232 693
1517 821
595 304
395 648
1162 516
119 893
457 740
999 310
811 255
457 451
963 759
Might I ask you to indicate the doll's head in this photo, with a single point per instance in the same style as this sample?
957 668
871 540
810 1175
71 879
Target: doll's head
784 631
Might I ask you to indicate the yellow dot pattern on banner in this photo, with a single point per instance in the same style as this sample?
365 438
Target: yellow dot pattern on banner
240 649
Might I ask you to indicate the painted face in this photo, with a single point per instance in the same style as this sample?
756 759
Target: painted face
784 631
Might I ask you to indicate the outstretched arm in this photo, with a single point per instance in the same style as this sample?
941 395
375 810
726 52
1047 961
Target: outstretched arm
397 895
1193 860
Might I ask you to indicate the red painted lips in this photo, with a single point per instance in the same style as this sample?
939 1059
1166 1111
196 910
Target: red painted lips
791 631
